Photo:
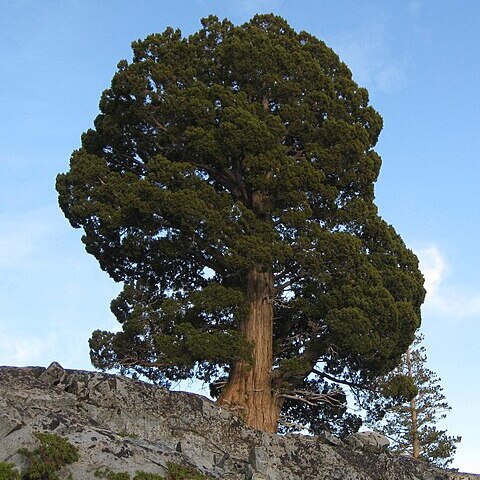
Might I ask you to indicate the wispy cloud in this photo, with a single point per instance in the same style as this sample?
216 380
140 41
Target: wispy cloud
414 7
444 298
433 266
245 8
370 56
24 350
251 7
23 235
15 247
52 294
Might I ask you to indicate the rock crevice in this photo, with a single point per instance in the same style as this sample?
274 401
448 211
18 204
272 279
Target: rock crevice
127 425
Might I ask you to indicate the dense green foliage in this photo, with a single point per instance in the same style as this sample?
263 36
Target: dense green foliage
235 148
49 457
108 474
8 471
430 406
174 472
182 472
147 476
105 472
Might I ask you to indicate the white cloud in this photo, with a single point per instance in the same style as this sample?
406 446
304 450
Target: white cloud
433 266
444 298
24 350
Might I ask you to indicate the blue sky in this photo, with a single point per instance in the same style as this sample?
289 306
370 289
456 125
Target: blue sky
420 61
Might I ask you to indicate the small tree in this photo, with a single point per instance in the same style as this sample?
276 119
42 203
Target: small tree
228 182
411 424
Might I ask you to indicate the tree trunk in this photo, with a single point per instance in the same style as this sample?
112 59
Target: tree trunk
413 415
249 389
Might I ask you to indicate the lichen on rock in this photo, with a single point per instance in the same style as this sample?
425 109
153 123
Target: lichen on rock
125 425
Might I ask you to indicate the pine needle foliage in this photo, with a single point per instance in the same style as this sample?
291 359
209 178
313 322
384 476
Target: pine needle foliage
411 424
239 150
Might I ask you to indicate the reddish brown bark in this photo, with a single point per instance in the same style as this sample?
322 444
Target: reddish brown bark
249 389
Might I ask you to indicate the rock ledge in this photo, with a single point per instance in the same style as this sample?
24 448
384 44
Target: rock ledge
128 425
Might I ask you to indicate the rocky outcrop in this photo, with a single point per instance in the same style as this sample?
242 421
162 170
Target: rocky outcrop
128 425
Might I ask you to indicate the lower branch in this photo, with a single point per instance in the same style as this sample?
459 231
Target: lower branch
312 398
333 379
133 362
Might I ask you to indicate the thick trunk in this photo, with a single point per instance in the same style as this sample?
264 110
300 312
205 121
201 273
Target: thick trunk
249 389
413 415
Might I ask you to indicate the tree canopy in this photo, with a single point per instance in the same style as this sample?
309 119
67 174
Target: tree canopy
228 182
412 423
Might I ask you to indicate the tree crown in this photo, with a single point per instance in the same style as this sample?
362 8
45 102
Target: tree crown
239 148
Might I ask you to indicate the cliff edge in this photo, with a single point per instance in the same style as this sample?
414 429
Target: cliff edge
127 425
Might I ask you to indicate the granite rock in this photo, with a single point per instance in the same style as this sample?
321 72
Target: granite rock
127 425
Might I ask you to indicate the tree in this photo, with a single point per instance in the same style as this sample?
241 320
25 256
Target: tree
411 423
228 183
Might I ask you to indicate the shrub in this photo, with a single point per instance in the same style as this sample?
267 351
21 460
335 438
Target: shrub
175 472
180 472
147 476
105 472
47 459
8 472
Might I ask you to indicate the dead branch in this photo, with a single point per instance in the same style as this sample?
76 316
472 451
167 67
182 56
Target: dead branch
313 399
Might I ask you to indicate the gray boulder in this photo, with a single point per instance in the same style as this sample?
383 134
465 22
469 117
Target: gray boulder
373 441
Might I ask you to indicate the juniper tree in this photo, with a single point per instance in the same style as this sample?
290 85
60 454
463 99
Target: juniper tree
228 183
411 424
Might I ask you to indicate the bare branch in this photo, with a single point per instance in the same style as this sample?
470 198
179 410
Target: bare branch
158 124
312 398
231 181
341 381
135 362
292 278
